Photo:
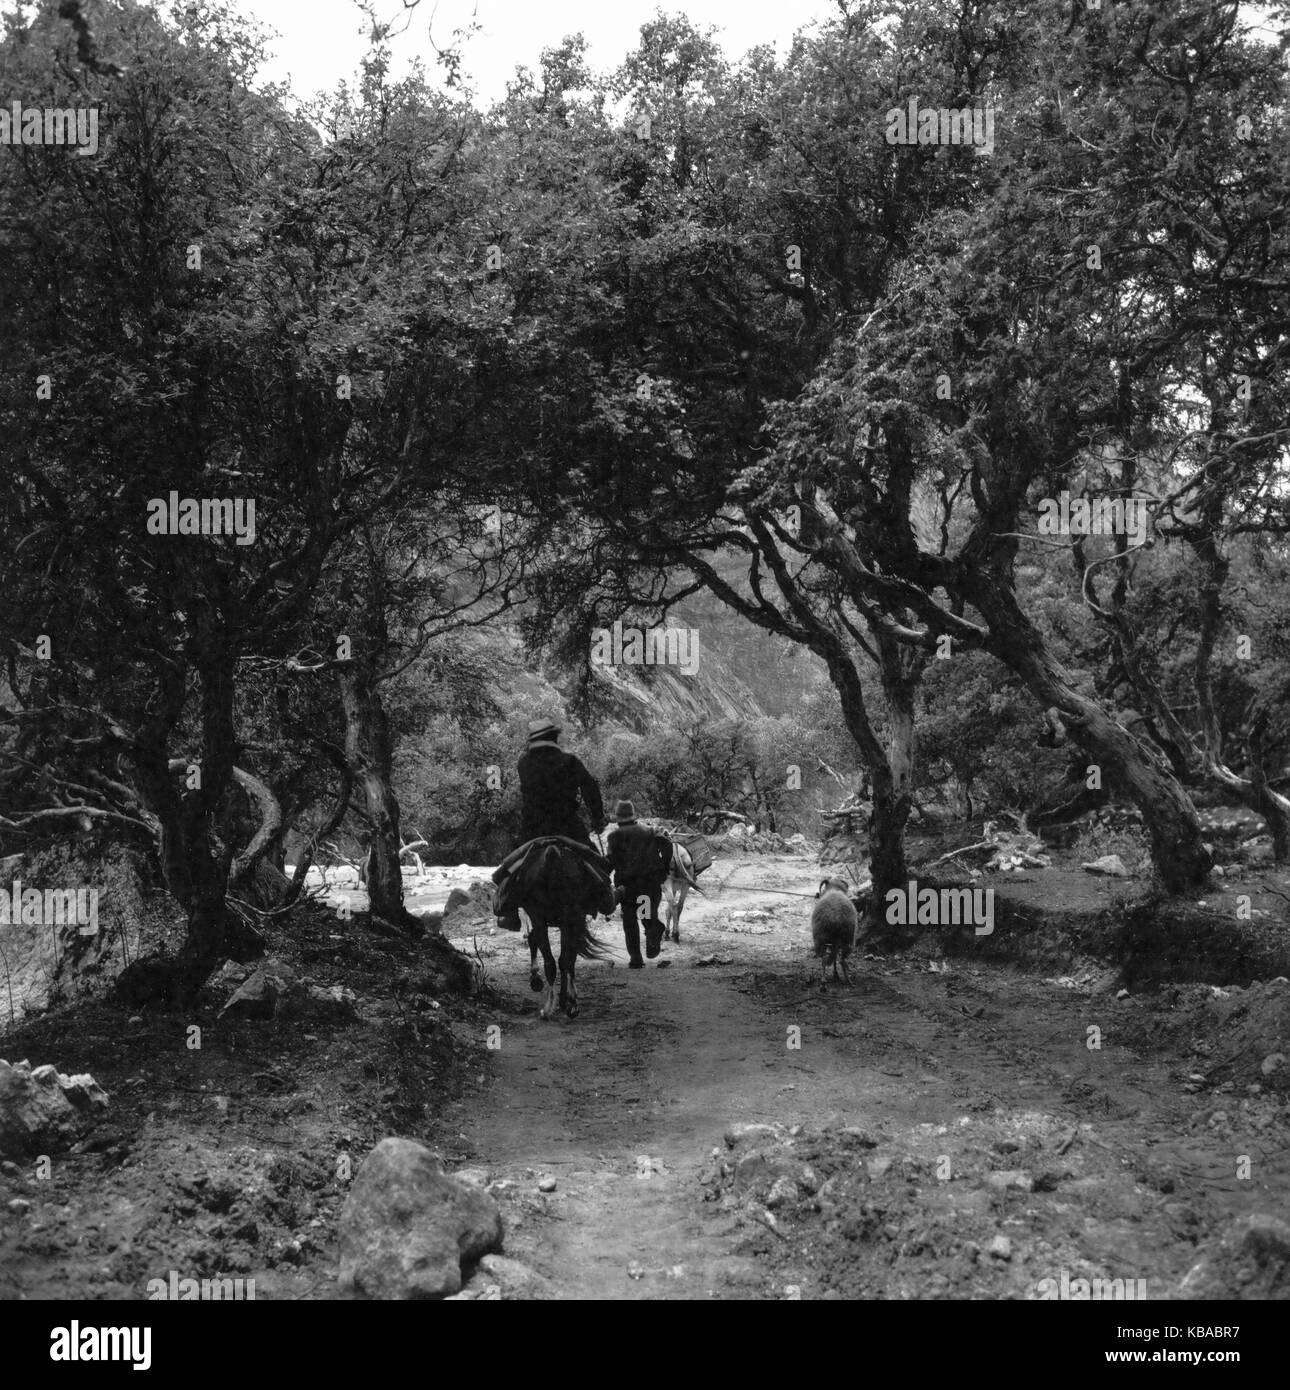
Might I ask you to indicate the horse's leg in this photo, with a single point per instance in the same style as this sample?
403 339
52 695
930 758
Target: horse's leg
548 967
535 979
568 964
542 932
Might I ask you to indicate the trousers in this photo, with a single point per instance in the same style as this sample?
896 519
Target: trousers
633 891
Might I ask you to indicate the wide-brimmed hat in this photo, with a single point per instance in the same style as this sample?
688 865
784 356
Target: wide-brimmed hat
542 729
625 813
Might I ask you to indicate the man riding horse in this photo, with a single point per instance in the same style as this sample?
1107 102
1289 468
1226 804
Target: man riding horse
555 873
551 781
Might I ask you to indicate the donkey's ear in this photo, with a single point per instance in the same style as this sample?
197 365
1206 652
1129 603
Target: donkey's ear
824 883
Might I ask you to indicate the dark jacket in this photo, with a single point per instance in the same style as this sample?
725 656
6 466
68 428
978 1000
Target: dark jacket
638 854
550 782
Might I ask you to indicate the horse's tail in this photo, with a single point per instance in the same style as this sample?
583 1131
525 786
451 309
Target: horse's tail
585 942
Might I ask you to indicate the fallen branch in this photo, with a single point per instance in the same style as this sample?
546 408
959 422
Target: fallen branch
966 849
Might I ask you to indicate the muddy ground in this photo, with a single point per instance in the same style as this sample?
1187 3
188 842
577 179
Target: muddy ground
941 1129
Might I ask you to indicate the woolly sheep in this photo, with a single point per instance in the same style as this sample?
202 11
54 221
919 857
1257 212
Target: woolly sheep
833 927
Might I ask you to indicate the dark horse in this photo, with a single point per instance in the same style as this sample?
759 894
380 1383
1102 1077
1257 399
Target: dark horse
553 893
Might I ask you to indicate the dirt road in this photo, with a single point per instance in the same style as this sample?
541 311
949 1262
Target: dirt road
949 1129
986 1110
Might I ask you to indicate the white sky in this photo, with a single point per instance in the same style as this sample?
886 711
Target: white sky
320 40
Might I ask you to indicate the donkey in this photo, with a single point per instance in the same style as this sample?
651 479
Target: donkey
553 893
676 889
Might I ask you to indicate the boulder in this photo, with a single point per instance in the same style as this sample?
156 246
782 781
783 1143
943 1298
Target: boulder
408 1227
42 1109
473 904
275 991
260 994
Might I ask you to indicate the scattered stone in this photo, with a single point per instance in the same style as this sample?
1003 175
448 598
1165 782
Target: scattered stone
1011 1179
1110 865
783 1191
20 1206
1000 1248
751 1134
501 1279
337 1003
879 1166
862 1138
1274 1061
1123 994
407 1227
546 1183
758 1167
232 972
476 1177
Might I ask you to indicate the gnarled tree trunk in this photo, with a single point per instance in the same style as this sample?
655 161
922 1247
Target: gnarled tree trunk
1178 854
369 758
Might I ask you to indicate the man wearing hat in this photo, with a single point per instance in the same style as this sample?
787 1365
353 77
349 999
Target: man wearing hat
641 860
551 780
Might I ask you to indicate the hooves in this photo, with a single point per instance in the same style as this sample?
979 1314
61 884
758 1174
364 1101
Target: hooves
536 982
